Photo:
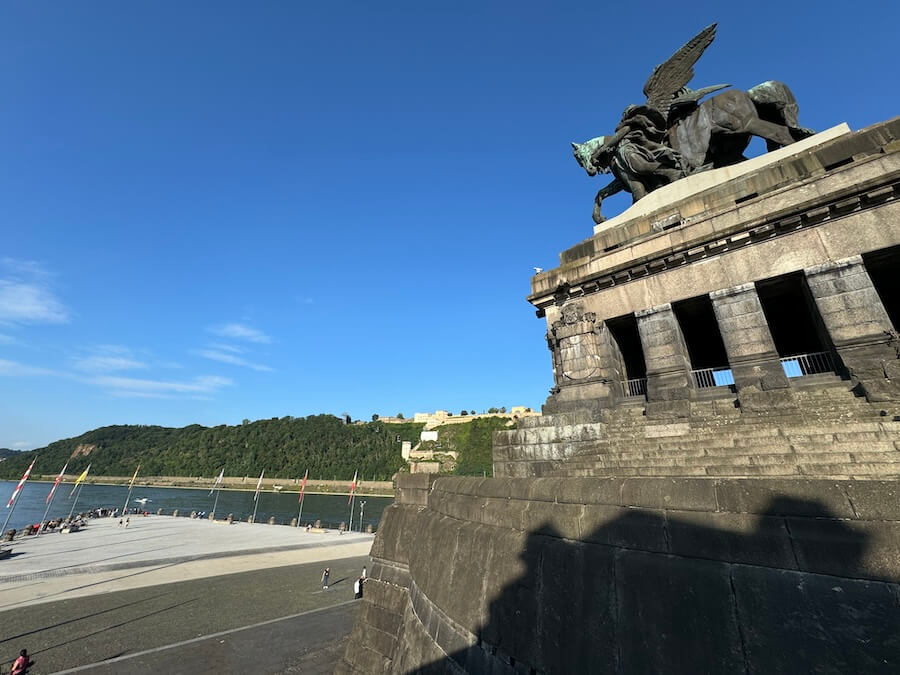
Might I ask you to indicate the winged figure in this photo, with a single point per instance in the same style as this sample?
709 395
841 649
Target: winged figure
673 134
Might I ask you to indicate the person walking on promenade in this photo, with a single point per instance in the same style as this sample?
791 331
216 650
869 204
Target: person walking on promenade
357 588
20 665
364 572
325 578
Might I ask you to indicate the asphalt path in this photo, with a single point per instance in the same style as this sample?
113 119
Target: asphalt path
264 621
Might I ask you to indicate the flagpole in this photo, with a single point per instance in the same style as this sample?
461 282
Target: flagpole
15 497
9 515
215 503
350 529
130 485
46 511
52 497
302 488
72 510
350 501
256 496
217 484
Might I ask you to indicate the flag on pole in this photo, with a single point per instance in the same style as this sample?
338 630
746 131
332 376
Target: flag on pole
352 486
303 486
218 480
131 484
79 480
21 483
55 483
259 485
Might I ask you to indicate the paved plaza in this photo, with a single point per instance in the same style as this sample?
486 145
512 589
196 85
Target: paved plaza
105 557
168 591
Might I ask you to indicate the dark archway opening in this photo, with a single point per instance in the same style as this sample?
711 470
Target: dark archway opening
700 329
624 332
884 270
793 318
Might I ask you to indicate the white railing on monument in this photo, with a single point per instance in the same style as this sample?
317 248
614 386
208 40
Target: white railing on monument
814 363
712 377
635 387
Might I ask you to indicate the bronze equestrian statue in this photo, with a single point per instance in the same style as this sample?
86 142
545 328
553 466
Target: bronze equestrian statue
673 134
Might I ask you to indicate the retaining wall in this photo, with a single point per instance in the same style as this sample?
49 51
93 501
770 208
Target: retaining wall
624 575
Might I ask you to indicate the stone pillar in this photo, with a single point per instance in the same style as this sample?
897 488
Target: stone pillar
669 384
587 369
858 325
758 374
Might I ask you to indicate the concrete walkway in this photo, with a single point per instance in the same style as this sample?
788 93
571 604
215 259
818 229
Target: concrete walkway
157 550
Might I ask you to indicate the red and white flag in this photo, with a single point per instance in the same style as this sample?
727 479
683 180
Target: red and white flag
21 483
303 486
259 485
55 483
352 487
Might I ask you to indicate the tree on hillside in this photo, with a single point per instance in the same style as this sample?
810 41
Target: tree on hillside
374 417
400 416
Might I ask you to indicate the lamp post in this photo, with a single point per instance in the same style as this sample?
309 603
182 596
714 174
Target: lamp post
362 508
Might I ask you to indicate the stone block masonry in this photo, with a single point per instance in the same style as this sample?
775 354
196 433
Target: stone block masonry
621 575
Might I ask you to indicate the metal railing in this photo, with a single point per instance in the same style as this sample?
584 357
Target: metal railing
712 377
808 364
635 387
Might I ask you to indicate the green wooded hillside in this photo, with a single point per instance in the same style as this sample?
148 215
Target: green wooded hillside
284 447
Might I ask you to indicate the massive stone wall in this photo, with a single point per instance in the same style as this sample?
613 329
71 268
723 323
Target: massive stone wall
624 575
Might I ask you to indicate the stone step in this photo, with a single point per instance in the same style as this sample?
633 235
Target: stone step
852 446
885 469
782 452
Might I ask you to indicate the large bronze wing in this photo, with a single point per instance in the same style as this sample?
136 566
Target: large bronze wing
669 77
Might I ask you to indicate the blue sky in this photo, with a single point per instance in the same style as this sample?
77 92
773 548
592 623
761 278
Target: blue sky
224 210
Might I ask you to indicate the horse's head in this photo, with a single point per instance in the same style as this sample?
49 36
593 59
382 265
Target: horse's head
584 152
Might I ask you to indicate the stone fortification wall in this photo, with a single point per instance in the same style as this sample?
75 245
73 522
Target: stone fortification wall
621 575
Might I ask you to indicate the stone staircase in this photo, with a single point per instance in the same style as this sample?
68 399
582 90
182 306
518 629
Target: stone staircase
831 434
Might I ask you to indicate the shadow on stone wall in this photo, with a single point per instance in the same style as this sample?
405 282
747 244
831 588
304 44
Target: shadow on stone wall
790 595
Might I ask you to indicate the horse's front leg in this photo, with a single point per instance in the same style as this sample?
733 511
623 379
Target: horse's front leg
612 188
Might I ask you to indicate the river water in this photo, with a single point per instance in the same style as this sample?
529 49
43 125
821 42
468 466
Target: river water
330 509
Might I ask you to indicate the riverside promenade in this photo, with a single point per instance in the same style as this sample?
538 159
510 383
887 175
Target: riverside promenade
116 599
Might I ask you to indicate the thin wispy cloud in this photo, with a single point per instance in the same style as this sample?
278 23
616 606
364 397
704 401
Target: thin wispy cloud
228 348
26 296
147 388
231 358
16 369
21 445
240 331
6 339
108 359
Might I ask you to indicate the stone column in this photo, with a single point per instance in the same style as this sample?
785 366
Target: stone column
586 367
669 384
755 365
858 326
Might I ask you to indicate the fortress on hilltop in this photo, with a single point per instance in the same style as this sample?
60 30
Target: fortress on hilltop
713 484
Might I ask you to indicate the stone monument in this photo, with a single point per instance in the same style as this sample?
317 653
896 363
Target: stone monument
713 483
